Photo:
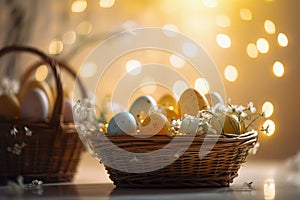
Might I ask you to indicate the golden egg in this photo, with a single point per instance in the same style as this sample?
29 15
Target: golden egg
9 106
155 123
168 101
190 102
228 123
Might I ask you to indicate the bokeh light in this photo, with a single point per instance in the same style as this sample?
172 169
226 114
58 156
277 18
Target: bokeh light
202 85
269 26
88 70
133 67
252 50
170 30
245 14
190 49
55 47
262 45
268 109
179 87
177 61
282 40
84 28
271 127
106 3
223 40
223 21
79 6
269 189
69 37
41 73
278 69
231 73
210 3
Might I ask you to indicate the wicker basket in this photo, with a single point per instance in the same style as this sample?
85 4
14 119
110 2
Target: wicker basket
218 168
51 151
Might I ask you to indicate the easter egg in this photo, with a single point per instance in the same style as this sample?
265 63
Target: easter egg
122 123
44 87
189 125
229 123
9 106
155 123
34 106
214 98
190 102
168 101
141 106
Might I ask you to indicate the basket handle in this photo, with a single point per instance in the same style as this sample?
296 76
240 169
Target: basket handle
62 65
55 119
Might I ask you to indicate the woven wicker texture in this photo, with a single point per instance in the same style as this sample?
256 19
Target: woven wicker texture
53 150
217 169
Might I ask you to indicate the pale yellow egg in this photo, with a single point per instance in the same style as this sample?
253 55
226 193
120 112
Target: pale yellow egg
155 124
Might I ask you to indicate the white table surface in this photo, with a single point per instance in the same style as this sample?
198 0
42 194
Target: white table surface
91 182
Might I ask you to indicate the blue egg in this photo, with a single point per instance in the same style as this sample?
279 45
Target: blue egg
122 123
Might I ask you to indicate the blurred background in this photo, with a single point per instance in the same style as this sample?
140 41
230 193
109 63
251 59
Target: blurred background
253 43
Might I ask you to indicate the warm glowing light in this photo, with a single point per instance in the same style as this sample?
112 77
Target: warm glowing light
190 49
270 125
282 40
170 30
268 109
106 3
133 67
41 73
179 87
176 61
84 28
231 73
210 3
56 47
79 6
223 40
202 86
278 69
69 37
262 45
270 26
269 189
245 14
223 21
252 50
88 70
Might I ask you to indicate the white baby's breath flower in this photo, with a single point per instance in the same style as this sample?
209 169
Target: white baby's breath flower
251 107
219 107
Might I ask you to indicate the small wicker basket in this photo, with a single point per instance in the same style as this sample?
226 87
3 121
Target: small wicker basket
217 168
51 152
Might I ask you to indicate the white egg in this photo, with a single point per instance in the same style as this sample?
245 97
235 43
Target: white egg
122 123
35 105
189 125
141 107
214 98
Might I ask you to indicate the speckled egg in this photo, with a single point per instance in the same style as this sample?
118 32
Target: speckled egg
155 123
229 123
141 106
190 102
122 123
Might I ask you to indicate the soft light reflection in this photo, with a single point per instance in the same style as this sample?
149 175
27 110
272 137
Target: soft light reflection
252 50
190 49
268 109
223 21
223 40
179 87
79 6
282 39
170 30
84 28
278 69
210 3
176 61
269 189
56 47
269 26
245 14
262 45
88 70
202 86
271 127
41 73
231 73
69 37
133 67
106 3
